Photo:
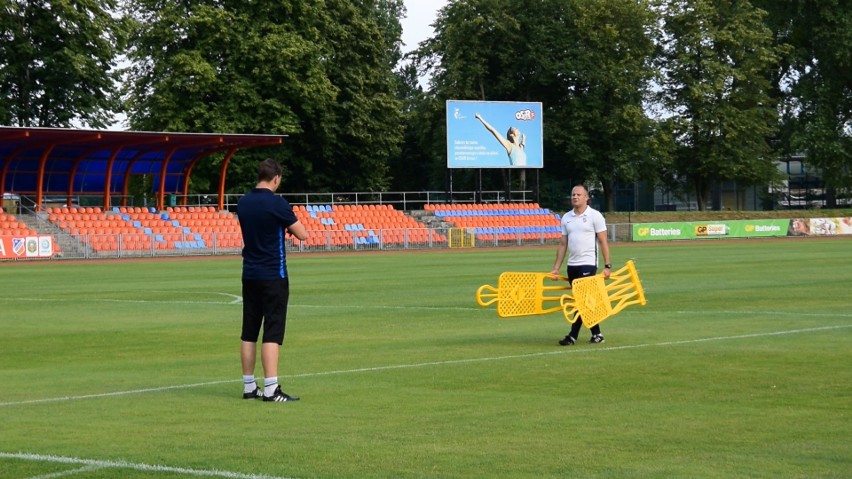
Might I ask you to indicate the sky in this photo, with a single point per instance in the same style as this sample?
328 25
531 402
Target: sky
418 18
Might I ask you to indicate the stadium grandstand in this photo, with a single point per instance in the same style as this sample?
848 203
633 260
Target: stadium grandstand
93 232
65 193
501 222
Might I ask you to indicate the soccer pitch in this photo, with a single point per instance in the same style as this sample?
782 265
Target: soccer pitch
739 366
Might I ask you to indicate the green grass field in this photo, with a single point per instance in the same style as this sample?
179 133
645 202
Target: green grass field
740 365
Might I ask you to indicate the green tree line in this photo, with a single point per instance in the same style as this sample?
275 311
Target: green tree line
677 94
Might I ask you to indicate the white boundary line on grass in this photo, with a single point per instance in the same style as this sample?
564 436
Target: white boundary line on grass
435 363
91 465
236 299
71 472
115 393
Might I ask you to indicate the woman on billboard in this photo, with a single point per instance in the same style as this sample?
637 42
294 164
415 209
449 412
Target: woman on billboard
514 142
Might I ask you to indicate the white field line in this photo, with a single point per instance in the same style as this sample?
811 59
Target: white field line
115 393
70 472
237 300
90 465
436 363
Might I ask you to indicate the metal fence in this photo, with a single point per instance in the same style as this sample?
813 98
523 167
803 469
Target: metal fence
401 200
138 245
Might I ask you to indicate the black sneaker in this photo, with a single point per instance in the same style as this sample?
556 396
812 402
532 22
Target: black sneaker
256 394
596 339
280 396
568 341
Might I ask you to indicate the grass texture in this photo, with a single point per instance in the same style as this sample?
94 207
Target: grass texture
738 366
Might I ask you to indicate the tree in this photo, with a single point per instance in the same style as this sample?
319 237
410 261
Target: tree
587 61
814 84
716 60
57 62
595 88
366 128
318 72
469 58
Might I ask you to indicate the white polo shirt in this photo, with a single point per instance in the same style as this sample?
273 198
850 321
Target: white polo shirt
582 231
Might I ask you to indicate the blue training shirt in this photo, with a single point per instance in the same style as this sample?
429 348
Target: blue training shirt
264 217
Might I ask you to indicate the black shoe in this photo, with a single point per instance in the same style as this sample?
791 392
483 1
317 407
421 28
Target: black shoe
280 396
256 394
596 339
568 341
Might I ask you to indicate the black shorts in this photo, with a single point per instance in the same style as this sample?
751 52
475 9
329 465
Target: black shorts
265 304
581 271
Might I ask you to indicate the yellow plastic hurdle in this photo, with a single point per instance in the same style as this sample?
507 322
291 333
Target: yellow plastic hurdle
523 294
594 299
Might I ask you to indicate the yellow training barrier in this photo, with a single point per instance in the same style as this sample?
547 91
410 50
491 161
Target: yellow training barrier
523 294
594 298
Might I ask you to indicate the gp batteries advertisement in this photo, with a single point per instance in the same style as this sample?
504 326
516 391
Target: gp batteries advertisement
742 229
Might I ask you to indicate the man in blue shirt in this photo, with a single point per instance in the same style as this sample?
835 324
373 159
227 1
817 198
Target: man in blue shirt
265 218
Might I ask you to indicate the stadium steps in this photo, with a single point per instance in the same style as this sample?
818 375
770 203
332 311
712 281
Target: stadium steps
429 219
500 221
344 226
62 241
35 224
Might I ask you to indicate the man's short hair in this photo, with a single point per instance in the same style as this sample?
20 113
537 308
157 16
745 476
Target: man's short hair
268 169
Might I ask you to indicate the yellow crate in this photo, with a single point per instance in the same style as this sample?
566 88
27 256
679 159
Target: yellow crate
595 299
524 294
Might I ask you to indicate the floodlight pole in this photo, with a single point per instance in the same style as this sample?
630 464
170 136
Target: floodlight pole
477 194
537 186
450 184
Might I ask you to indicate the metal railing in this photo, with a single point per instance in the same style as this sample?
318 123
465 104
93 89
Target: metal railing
136 245
401 200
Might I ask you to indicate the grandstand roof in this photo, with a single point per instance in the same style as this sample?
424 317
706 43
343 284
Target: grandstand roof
70 162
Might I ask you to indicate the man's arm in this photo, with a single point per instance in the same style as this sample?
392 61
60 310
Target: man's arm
605 250
298 230
560 255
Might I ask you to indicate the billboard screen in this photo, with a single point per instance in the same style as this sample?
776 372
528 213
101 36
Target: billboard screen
489 134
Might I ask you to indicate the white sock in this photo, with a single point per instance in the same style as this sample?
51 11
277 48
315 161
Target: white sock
269 386
249 383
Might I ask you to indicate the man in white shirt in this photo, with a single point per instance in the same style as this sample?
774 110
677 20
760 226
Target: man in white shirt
583 228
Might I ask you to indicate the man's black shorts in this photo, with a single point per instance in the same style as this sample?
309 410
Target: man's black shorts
265 304
581 271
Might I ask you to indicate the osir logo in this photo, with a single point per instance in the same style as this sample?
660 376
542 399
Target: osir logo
525 115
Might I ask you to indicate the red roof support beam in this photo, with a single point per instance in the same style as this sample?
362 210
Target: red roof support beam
24 134
111 163
161 193
225 162
42 164
40 178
